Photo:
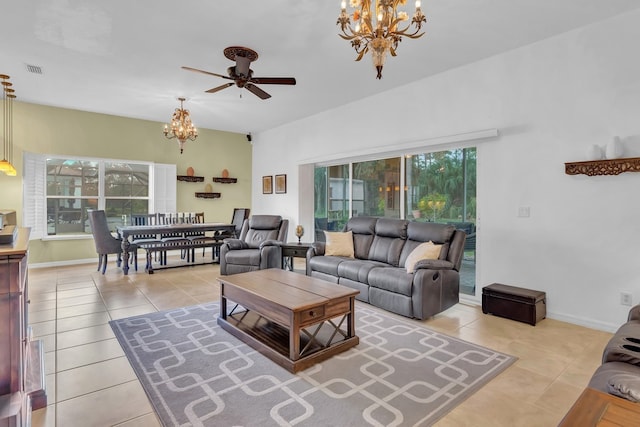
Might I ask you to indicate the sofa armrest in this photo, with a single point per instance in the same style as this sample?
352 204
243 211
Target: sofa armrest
434 264
316 249
234 244
634 313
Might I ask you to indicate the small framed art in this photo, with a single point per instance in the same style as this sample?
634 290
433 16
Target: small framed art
281 184
267 184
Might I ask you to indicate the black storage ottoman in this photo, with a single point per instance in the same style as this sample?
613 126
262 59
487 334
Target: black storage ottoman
523 305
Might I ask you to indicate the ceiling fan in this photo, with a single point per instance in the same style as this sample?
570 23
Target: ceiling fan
242 75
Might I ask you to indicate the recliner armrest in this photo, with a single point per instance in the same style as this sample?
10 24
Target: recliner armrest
236 244
434 264
270 243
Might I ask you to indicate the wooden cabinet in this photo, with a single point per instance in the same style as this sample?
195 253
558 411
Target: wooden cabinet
22 377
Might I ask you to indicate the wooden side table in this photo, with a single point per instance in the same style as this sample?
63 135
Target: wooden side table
293 250
594 408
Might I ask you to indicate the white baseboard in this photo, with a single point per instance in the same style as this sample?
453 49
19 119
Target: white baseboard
85 261
574 320
64 263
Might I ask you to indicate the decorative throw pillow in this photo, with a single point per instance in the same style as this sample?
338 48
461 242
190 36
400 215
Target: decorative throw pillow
626 386
426 250
339 244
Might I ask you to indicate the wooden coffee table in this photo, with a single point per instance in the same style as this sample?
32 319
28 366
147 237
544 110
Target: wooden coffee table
293 319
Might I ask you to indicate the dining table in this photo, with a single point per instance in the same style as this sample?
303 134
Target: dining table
126 233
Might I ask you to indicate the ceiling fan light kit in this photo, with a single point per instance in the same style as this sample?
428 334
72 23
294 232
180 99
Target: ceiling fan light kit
181 127
382 35
241 74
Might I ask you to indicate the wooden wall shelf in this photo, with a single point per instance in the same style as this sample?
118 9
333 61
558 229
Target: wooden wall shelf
208 195
603 167
189 178
225 180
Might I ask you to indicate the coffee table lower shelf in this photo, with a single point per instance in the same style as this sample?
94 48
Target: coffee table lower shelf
272 340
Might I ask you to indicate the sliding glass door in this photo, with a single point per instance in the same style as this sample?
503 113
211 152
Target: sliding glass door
436 187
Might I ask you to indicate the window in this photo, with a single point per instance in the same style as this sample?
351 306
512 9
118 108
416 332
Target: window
73 186
435 187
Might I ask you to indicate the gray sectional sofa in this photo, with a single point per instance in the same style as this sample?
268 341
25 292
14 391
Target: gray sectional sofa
381 248
619 373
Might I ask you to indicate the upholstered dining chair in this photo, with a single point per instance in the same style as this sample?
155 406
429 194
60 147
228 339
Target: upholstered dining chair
105 242
257 247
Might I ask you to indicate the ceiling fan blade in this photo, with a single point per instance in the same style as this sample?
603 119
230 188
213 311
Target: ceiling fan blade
257 91
216 89
206 72
273 80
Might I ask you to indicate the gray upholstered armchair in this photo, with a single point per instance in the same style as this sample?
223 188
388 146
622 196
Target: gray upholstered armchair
105 242
257 247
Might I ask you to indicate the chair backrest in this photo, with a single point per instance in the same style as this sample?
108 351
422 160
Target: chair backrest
239 215
102 237
146 219
259 228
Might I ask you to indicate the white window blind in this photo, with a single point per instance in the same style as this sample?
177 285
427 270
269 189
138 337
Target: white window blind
34 213
164 187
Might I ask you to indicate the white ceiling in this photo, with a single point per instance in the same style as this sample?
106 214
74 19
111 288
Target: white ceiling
123 57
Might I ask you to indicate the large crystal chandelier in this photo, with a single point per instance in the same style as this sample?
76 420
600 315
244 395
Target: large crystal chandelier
181 127
381 35
8 95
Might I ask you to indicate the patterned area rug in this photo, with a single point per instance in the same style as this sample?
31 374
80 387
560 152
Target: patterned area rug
401 374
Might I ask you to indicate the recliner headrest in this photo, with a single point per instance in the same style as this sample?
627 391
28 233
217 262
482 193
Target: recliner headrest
265 222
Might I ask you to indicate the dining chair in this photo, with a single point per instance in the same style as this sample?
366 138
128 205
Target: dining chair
143 239
105 242
201 237
175 237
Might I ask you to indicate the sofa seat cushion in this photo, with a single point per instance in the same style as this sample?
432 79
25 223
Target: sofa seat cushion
327 264
392 279
358 270
244 257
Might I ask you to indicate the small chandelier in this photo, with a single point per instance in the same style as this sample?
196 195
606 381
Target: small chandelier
181 127
381 36
8 95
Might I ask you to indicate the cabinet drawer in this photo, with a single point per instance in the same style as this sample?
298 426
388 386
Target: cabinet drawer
307 316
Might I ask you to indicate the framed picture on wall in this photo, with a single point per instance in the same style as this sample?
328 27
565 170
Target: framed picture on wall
267 184
281 184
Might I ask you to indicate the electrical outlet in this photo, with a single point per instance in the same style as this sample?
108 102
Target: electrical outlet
626 298
524 212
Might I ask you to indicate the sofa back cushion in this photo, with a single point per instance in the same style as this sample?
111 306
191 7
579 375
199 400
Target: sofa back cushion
390 235
363 229
420 232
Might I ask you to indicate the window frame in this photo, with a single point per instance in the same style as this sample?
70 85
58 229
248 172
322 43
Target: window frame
161 191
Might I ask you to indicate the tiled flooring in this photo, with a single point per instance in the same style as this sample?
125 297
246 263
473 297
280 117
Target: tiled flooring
90 382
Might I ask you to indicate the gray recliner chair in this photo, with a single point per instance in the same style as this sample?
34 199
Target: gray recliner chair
257 247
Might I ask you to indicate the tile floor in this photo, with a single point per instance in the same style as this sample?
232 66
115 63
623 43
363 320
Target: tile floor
90 382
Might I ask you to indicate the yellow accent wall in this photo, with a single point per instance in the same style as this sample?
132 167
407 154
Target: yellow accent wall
51 130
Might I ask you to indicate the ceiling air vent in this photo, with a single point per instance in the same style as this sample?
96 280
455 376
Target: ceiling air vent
36 69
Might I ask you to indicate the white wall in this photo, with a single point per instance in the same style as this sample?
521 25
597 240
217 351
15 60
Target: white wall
550 101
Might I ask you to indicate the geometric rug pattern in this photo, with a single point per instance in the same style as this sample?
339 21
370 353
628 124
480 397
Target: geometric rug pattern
400 374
